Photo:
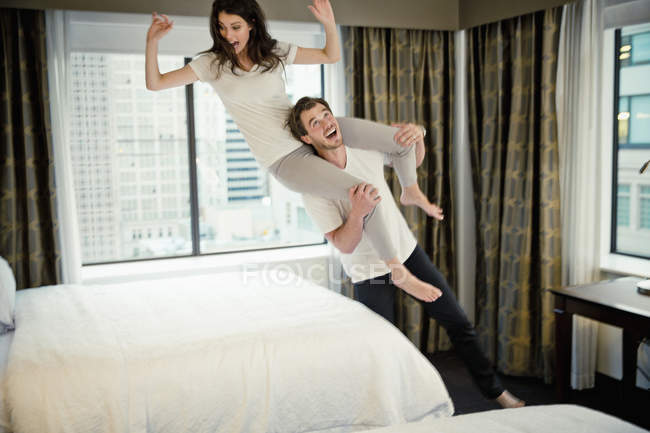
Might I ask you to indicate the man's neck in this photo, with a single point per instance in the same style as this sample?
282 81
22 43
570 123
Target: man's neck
338 156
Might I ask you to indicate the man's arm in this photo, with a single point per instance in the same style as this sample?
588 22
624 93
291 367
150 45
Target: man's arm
364 197
348 235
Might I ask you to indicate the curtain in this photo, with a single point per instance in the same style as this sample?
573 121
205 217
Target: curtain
395 75
578 104
514 156
28 222
57 61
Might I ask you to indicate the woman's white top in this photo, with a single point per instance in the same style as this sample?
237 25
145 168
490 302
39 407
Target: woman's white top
257 101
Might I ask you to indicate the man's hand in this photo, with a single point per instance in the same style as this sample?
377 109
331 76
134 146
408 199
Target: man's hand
364 197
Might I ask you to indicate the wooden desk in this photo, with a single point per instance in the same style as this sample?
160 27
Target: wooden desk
614 302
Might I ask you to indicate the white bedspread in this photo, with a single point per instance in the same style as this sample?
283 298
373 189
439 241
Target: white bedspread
560 418
5 343
211 354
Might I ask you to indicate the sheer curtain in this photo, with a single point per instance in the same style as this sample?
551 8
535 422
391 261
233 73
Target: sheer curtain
57 61
578 104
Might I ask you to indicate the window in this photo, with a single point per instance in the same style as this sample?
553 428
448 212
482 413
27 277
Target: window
644 207
240 204
631 207
634 47
132 169
623 208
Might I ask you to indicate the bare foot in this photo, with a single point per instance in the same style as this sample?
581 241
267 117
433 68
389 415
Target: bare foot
413 196
412 285
509 401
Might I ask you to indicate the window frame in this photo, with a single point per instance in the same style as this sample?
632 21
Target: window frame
610 259
88 33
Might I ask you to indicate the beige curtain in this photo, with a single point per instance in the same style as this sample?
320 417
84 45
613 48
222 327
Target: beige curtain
514 154
397 75
28 223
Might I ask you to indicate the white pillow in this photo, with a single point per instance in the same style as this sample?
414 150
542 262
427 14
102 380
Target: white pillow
7 297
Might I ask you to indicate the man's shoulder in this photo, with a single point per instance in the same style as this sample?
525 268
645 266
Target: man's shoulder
311 200
324 212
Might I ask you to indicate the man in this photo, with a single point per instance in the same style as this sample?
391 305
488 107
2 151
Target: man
312 122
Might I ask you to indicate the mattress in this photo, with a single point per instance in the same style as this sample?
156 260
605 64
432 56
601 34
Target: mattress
561 418
212 353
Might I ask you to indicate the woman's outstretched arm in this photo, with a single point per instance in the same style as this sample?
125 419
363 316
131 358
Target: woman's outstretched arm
331 53
160 26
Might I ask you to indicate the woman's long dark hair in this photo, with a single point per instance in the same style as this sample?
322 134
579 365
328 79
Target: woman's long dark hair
260 46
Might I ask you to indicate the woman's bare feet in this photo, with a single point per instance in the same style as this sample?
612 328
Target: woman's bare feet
412 285
509 401
413 196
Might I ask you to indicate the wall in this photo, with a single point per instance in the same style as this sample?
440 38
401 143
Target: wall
413 14
477 12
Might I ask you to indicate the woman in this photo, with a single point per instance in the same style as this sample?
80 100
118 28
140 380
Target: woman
245 67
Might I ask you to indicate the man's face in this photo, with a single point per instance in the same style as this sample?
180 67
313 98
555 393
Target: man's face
322 128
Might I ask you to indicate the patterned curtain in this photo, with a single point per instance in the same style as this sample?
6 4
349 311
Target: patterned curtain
407 76
28 223
514 153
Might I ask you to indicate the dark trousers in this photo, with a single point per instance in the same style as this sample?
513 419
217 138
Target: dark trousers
378 294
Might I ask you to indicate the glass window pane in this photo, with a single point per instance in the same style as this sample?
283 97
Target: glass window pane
640 119
641 48
623 209
644 207
303 80
623 105
123 163
623 120
240 205
632 228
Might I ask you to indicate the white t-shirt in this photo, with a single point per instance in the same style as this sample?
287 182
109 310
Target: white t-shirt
257 102
364 263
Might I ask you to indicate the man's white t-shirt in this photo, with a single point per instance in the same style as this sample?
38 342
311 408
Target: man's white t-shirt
328 215
257 101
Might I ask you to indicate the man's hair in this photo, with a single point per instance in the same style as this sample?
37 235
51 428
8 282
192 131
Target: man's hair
293 119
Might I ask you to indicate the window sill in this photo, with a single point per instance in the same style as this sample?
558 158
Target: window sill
245 261
625 265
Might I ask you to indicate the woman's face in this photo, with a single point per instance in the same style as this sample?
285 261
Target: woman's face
235 30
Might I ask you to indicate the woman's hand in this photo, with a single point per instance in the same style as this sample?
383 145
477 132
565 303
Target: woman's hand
408 134
322 10
160 26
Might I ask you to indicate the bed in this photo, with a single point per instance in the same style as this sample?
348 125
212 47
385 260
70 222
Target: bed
231 353
560 418
5 342
268 352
